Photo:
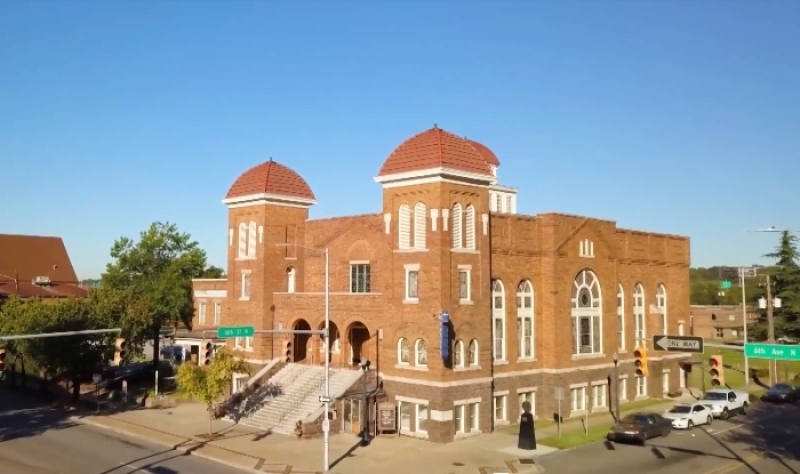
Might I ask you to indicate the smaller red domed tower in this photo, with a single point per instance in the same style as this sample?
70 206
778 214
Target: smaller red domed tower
268 208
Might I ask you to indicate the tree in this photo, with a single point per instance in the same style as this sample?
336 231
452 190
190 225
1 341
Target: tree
213 272
155 274
208 384
787 284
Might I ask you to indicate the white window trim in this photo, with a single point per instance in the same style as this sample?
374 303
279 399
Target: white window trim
245 276
470 229
355 263
499 314
526 314
661 304
457 214
623 388
417 417
603 387
468 270
400 352
217 313
413 267
504 415
574 409
417 343
404 214
639 316
291 280
621 318
594 311
458 348
201 313
420 212
639 396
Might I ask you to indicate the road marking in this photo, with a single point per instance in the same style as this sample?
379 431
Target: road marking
725 430
136 468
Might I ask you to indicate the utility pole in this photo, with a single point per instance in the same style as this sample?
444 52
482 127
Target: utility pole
773 366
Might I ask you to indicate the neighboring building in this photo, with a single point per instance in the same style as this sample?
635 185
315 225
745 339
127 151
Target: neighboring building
534 302
720 322
36 266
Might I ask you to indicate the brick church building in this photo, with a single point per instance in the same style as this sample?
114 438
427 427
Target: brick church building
463 307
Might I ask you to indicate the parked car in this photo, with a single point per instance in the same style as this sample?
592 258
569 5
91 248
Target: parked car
781 393
639 427
725 402
684 417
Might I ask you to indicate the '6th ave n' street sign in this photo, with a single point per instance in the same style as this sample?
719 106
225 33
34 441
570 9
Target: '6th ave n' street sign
678 343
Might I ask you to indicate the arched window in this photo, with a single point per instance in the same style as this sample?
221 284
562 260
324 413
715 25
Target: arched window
499 320
420 353
458 354
251 240
620 317
473 353
242 240
525 319
456 229
290 279
469 227
587 314
404 227
639 322
661 305
403 352
419 226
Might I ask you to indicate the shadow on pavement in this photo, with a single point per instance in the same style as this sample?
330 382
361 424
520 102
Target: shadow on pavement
772 429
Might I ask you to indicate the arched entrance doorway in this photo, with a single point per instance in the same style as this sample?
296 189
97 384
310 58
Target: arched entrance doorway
358 339
300 343
335 351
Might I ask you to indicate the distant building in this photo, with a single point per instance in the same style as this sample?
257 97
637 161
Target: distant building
36 266
720 322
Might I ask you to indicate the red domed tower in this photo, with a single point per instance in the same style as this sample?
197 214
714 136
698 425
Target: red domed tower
268 207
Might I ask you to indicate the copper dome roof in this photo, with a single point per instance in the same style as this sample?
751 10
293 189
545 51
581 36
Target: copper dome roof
435 148
271 177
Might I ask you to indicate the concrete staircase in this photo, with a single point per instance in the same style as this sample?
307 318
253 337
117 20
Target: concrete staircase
292 395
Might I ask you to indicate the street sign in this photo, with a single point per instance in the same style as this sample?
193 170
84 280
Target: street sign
772 351
678 343
227 332
326 426
324 399
726 285
558 393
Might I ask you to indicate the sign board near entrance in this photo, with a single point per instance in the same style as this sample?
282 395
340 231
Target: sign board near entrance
227 332
772 351
558 393
678 343
387 419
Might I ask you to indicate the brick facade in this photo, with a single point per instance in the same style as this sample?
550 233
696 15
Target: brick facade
721 322
545 252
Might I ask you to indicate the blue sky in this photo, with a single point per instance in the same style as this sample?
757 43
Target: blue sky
675 116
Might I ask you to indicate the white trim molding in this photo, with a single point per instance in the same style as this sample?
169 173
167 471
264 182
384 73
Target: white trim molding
400 398
268 198
485 222
209 279
387 222
434 220
579 385
467 401
434 175
210 293
526 389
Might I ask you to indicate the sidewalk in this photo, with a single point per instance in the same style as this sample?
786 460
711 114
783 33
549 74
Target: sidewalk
186 426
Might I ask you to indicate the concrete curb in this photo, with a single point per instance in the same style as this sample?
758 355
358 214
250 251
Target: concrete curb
183 450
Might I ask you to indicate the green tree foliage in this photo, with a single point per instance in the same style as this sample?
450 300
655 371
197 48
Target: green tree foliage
786 286
209 384
70 357
213 272
155 275
705 287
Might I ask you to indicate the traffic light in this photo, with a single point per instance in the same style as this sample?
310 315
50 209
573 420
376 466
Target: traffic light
717 371
288 352
641 361
208 352
2 363
120 351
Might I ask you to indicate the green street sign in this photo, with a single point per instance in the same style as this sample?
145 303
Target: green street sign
228 332
772 351
726 285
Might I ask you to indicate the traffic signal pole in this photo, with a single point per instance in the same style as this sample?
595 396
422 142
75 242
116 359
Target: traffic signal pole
18 337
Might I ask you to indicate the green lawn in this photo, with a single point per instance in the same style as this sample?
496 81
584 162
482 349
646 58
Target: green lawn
574 438
734 376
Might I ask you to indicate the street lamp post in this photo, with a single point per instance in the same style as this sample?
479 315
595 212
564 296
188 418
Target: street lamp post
744 324
326 423
773 366
616 387
365 421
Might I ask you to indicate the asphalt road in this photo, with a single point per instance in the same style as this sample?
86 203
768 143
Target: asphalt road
35 440
765 441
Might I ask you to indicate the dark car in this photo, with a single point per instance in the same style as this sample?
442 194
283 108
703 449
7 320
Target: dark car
639 427
781 393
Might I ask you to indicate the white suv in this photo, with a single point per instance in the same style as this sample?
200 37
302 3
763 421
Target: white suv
725 402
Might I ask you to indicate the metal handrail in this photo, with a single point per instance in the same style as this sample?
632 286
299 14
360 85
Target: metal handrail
305 392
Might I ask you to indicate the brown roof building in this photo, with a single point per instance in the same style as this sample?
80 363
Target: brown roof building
464 307
721 322
36 266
